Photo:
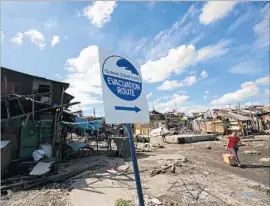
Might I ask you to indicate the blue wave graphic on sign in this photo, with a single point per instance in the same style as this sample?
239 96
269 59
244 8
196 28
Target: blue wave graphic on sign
128 66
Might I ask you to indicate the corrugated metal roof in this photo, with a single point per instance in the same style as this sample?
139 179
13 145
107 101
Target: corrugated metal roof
15 71
236 116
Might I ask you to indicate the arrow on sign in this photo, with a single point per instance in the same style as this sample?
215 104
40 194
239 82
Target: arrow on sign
134 109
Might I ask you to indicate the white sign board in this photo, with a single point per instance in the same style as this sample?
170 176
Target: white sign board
122 90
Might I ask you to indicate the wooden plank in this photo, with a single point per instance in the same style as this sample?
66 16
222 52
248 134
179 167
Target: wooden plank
42 168
59 124
20 105
27 118
33 107
42 110
6 97
30 95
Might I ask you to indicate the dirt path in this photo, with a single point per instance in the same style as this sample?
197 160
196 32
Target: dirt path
203 180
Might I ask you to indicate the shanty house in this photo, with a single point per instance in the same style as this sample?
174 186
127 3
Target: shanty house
156 119
32 108
15 82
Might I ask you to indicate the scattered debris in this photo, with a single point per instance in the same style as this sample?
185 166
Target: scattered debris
38 154
265 159
156 201
42 168
124 167
173 168
259 145
164 168
208 147
252 152
252 140
32 183
145 150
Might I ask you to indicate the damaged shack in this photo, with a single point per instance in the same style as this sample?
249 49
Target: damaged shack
32 108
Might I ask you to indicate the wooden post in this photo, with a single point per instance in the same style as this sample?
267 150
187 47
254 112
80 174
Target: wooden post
205 126
59 133
33 107
26 120
242 128
20 105
55 132
38 111
6 97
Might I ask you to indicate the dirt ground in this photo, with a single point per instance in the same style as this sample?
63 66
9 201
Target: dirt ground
204 179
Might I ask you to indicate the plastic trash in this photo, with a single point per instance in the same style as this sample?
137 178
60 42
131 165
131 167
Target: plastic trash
38 154
47 148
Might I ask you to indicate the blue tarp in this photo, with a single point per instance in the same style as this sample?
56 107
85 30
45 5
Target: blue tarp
80 123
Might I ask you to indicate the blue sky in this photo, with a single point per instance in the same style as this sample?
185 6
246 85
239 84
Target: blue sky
194 56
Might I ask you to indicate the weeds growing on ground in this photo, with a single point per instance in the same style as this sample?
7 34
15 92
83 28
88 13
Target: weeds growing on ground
123 202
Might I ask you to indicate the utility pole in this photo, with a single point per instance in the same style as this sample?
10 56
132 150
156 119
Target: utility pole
94 113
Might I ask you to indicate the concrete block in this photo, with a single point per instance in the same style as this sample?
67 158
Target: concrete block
5 155
265 159
184 139
125 152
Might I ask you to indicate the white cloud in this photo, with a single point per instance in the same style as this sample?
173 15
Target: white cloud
170 85
84 75
36 38
204 74
174 62
248 90
149 95
175 100
215 10
243 18
267 92
178 102
213 51
50 24
170 38
55 40
99 12
57 75
196 39
2 36
263 81
189 80
84 97
206 91
66 37
262 29
248 67
17 39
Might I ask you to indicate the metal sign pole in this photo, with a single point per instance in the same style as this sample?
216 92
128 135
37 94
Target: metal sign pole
135 165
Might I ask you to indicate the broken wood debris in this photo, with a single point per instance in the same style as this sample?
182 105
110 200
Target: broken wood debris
42 110
163 169
12 179
32 183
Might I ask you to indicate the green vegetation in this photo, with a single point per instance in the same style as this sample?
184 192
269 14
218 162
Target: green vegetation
122 202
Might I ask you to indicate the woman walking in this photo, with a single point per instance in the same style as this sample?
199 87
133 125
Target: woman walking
233 145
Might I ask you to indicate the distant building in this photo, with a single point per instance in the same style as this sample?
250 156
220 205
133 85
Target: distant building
156 119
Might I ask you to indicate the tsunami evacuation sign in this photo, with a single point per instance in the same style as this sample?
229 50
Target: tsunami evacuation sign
122 90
